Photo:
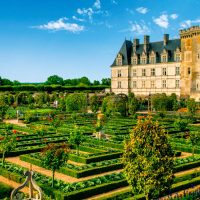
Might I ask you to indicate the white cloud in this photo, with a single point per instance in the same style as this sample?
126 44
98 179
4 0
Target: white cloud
97 4
162 21
174 16
86 12
142 10
60 25
188 23
78 19
139 28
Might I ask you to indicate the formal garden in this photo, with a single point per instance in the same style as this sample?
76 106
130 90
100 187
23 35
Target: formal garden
94 146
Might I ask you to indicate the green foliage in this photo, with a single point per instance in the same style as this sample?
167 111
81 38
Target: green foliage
94 103
76 102
148 160
7 144
113 105
194 139
76 138
162 102
106 81
54 156
55 80
192 106
133 104
180 124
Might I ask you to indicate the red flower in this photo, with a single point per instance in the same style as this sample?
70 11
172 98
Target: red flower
14 131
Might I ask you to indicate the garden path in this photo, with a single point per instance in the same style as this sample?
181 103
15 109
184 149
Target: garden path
14 121
13 184
60 176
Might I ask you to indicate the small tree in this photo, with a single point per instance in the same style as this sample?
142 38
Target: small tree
148 160
133 104
76 138
195 140
56 123
180 124
55 156
40 131
8 143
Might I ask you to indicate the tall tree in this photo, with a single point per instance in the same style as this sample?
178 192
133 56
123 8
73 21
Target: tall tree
55 156
192 106
55 80
133 104
148 160
106 81
94 103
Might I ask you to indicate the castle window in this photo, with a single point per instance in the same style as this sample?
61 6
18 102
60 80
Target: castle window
134 61
143 60
153 71
119 84
164 58
119 73
177 84
143 72
143 84
119 61
152 84
177 71
164 71
152 59
178 57
134 84
134 72
164 83
189 71
198 56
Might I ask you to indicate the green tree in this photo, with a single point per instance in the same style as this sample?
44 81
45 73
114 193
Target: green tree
192 106
94 103
96 82
76 138
3 110
148 160
113 105
55 80
180 124
76 102
133 104
7 144
55 156
106 81
195 140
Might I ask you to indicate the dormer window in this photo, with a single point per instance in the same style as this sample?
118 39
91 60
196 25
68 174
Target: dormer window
143 60
177 57
119 60
152 57
164 56
134 60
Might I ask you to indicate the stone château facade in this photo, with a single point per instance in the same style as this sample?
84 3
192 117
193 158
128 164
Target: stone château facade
168 66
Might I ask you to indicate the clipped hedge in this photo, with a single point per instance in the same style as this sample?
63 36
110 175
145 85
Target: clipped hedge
5 190
91 159
75 173
187 166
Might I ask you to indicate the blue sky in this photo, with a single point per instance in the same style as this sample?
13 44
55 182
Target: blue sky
75 38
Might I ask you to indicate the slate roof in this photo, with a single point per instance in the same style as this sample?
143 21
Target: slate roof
127 50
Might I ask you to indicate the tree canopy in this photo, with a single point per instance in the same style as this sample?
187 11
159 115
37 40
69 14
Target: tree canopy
148 160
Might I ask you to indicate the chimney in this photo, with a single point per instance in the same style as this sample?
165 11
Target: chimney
146 42
165 39
135 44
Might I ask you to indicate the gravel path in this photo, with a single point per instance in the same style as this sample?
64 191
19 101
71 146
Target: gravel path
13 184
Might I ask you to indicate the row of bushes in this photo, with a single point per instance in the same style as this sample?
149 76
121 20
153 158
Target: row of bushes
50 88
73 172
